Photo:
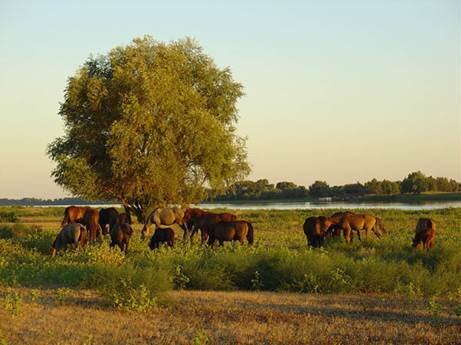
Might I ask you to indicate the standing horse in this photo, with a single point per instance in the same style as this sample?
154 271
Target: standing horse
107 219
120 235
163 217
351 221
207 220
85 215
74 214
315 229
231 231
161 235
424 234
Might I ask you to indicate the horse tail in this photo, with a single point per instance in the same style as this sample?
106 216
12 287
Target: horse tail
250 234
379 227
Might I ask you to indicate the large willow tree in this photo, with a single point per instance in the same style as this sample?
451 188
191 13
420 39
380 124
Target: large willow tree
148 124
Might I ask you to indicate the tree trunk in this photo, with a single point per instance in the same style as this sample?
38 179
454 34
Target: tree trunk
138 210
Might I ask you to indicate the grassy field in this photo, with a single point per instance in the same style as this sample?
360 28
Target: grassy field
277 291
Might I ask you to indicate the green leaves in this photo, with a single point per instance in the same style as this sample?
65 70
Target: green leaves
149 123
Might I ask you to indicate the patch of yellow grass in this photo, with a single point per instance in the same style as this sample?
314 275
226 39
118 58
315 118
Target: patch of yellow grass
81 317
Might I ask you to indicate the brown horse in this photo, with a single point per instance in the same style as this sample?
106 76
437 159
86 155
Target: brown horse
120 235
315 229
207 220
424 234
85 215
73 233
335 230
190 219
231 231
74 214
162 235
351 221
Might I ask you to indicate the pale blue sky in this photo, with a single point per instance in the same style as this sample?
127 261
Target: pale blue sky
341 91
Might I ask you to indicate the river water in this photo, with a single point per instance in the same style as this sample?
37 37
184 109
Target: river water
333 205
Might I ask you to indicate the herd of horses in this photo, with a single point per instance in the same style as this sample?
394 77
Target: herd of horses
82 225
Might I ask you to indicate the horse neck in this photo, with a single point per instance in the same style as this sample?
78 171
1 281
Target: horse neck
149 217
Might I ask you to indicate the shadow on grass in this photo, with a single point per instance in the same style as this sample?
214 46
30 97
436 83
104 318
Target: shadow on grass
365 314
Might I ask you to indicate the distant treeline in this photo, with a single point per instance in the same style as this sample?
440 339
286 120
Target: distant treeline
47 202
414 183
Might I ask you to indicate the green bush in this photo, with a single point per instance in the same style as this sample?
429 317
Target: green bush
128 287
8 216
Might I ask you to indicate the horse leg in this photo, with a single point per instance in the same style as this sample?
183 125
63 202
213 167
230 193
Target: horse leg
348 234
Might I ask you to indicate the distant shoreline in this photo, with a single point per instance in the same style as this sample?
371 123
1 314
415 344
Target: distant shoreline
397 198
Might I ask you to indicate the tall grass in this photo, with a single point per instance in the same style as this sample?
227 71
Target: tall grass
279 261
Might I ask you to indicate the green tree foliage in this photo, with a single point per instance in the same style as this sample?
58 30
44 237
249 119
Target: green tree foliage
384 187
415 182
149 123
319 189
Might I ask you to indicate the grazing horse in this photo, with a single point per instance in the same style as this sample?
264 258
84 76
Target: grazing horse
231 231
162 235
107 219
73 233
315 229
120 235
424 234
351 221
335 230
163 217
190 219
85 215
207 220
91 221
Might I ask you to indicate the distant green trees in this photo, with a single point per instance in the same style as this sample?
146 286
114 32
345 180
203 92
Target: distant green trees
414 183
417 182
263 190
319 189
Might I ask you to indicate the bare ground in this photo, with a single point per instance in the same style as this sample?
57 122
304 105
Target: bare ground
197 317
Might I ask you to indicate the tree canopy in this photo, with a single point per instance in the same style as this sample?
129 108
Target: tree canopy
147 124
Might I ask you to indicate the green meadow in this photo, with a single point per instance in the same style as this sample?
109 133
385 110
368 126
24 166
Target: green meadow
279 262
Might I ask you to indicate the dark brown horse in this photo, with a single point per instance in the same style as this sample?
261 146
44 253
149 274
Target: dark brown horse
108 217
231 231
120 235
190 219
161 235
207 220
124 218
315 229
424 234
